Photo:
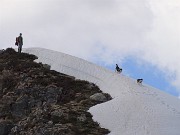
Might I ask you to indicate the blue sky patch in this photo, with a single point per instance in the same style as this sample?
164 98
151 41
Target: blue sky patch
150 74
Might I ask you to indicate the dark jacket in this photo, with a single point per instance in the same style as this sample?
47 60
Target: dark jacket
20 40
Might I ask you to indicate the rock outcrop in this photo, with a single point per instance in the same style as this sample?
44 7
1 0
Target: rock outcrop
101 97
35 100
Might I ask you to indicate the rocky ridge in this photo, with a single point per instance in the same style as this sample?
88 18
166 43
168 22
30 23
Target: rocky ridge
35 100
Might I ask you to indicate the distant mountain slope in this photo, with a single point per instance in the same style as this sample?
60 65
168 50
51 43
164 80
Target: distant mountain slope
135 109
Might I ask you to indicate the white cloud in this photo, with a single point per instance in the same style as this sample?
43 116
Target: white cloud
107 30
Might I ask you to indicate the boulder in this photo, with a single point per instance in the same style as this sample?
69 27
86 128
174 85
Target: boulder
47 66
99 97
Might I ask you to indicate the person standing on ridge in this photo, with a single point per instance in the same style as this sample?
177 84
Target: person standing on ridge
19 42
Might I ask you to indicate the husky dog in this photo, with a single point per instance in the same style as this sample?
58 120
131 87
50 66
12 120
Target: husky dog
118 70
139 81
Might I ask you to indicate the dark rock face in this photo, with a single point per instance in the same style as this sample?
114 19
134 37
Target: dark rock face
5 127
18 108
35 100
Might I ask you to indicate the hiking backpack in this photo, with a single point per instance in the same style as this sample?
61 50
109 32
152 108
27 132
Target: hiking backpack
16 43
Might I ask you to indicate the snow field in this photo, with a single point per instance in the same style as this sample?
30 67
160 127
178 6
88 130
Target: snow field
135 109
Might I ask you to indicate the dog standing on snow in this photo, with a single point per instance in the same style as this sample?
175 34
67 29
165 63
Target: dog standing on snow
139 81
118 70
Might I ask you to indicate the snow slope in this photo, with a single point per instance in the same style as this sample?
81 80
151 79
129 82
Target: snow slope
135 109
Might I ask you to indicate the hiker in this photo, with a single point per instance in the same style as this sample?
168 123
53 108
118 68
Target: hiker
19 42
118 70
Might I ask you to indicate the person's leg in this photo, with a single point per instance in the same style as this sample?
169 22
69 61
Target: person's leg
18 48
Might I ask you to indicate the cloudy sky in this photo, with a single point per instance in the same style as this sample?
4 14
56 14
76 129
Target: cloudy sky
140 35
